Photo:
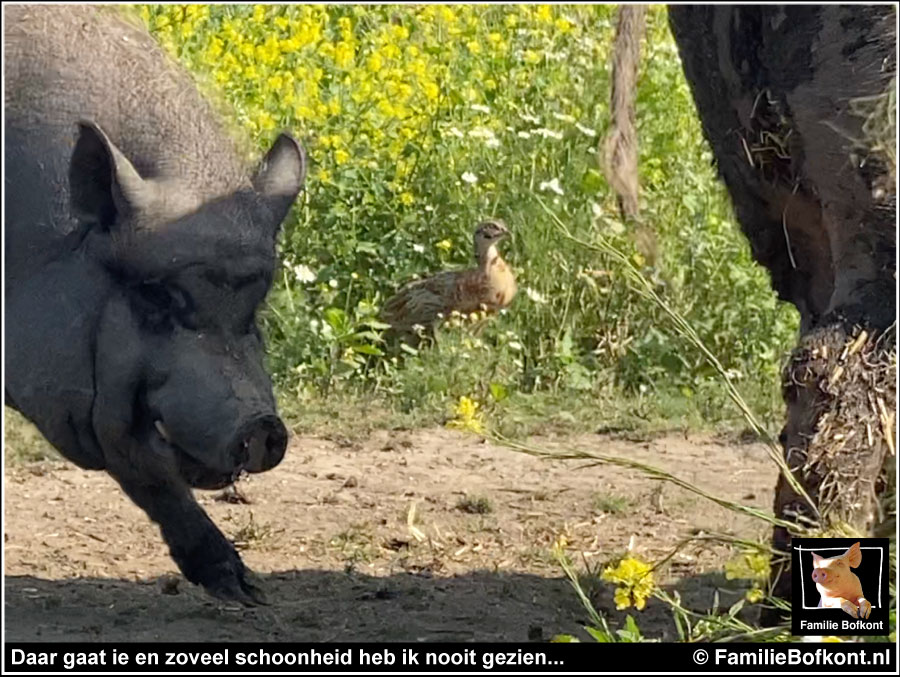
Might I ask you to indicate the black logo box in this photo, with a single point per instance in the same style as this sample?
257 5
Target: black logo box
873 573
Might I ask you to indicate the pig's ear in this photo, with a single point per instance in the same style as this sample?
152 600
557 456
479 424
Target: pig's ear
816 559
104 186
853 555
281 174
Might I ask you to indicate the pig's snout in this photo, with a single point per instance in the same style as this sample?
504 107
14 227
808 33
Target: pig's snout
820 576
260 444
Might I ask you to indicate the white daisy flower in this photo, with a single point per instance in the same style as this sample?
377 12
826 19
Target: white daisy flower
469 177
535 295
490 139
548 133
303 273
587 131
553 185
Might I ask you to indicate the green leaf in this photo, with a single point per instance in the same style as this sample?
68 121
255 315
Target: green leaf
408 349
336 318
367 247
499 392
366 349
592 181
375 324
599 635
631 627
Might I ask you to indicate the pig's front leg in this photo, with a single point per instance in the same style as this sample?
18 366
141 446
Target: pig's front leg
849 606
864 607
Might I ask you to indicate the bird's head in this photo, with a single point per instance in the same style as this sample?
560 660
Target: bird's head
490 231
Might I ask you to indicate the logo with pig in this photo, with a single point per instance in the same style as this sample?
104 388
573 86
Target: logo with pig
838 586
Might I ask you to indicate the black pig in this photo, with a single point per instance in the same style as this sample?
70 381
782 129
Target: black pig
138 249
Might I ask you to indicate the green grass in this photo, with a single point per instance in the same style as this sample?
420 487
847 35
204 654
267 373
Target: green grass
475 505
22 442
356 410
613 504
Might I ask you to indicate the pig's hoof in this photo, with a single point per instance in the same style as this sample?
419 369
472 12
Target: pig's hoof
850 608
226 577
864 608
237 589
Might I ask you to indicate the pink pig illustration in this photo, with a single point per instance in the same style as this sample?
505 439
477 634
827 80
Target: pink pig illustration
839 586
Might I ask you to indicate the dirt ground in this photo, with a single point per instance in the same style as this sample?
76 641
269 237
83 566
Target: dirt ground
427 535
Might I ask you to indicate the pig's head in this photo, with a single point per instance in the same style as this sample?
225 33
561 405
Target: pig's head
179 359
832 572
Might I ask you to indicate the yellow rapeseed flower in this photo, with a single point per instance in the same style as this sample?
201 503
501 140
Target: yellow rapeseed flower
374 62
265 121
187 29
215 49
431 90
344 53
467 416
754 595
531 56
635 579
386 108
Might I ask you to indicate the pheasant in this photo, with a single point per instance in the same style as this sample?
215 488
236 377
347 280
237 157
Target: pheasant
491 286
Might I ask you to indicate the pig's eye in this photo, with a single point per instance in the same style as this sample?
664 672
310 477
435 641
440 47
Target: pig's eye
161 304
155 294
